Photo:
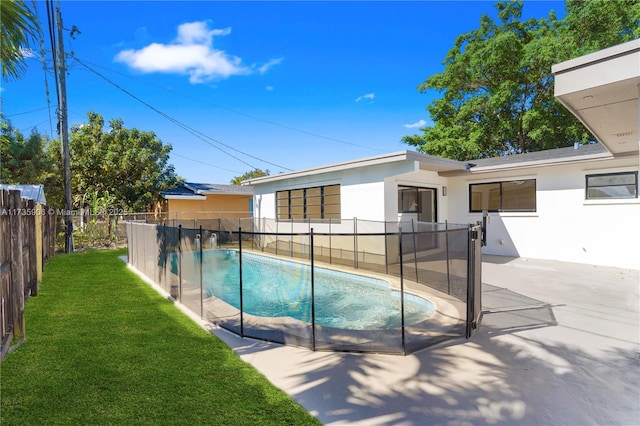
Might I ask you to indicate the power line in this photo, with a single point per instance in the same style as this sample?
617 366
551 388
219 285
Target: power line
253 117
44 70
206 164
27 112
185 127
54 49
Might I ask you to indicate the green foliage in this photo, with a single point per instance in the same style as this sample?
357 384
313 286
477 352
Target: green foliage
31 161
595 24
96 219
19 26
255 173
131 165
127 167
497 88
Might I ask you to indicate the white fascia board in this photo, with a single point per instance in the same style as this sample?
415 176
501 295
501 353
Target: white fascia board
603 55
418 158
184 197
205 192
542 163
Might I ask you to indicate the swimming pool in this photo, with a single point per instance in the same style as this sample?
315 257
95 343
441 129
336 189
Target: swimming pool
280 288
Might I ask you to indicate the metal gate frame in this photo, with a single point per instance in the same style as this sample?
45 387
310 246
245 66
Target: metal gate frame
474 278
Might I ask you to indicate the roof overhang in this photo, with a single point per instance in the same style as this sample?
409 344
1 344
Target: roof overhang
423 162
184 197
602 90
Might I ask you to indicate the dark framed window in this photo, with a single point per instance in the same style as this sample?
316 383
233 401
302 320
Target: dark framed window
506 196
422 201
612 185
320 202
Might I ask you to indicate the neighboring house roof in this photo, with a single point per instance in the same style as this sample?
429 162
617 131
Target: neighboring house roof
199 191
31 192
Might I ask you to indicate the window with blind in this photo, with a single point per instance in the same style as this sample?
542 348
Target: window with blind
320 202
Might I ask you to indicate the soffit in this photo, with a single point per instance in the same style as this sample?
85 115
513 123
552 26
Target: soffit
601 90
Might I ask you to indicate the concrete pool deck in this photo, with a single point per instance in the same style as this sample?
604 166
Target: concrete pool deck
559 344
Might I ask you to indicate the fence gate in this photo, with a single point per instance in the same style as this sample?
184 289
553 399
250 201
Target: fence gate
474 277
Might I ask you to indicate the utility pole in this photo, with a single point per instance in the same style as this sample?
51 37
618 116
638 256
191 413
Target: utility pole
63 131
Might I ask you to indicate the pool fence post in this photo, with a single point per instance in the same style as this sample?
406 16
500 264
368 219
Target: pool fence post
446 245
386 250
132 246
277 235
291 241
309 227
201 282
415 253
240 277
133 251
179 261
330 241
313 299
144 253
404 351
164 254
139 251
355 243
253 234
470 262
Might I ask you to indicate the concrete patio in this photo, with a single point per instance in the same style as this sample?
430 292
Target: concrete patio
559 344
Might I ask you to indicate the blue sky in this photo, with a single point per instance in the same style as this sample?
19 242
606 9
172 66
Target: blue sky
271 85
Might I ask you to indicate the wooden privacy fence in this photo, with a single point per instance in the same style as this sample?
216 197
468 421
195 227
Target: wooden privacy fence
27 241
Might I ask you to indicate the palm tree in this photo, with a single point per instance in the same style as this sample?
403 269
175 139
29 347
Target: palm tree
18 26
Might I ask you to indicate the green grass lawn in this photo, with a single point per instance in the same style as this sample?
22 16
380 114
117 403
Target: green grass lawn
103 347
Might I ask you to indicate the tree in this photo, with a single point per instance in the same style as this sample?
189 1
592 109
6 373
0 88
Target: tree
255 173
31 161
131 165
497 87
594 25
19 26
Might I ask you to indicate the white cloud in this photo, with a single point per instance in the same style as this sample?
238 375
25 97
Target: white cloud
417 124
264 68
269 88
191 53
369 96
27 53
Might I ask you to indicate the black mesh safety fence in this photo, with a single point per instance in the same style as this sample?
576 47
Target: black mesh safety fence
348 285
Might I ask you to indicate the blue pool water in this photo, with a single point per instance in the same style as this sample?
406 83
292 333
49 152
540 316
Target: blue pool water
280 288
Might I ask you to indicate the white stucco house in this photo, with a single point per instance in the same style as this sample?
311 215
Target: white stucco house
577 204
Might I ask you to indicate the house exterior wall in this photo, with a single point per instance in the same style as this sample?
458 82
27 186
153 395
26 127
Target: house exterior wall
368 194
364 192
565 226
213 207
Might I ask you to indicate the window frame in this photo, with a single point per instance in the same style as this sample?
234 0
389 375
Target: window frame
501 208
420 208
587 186
310 199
